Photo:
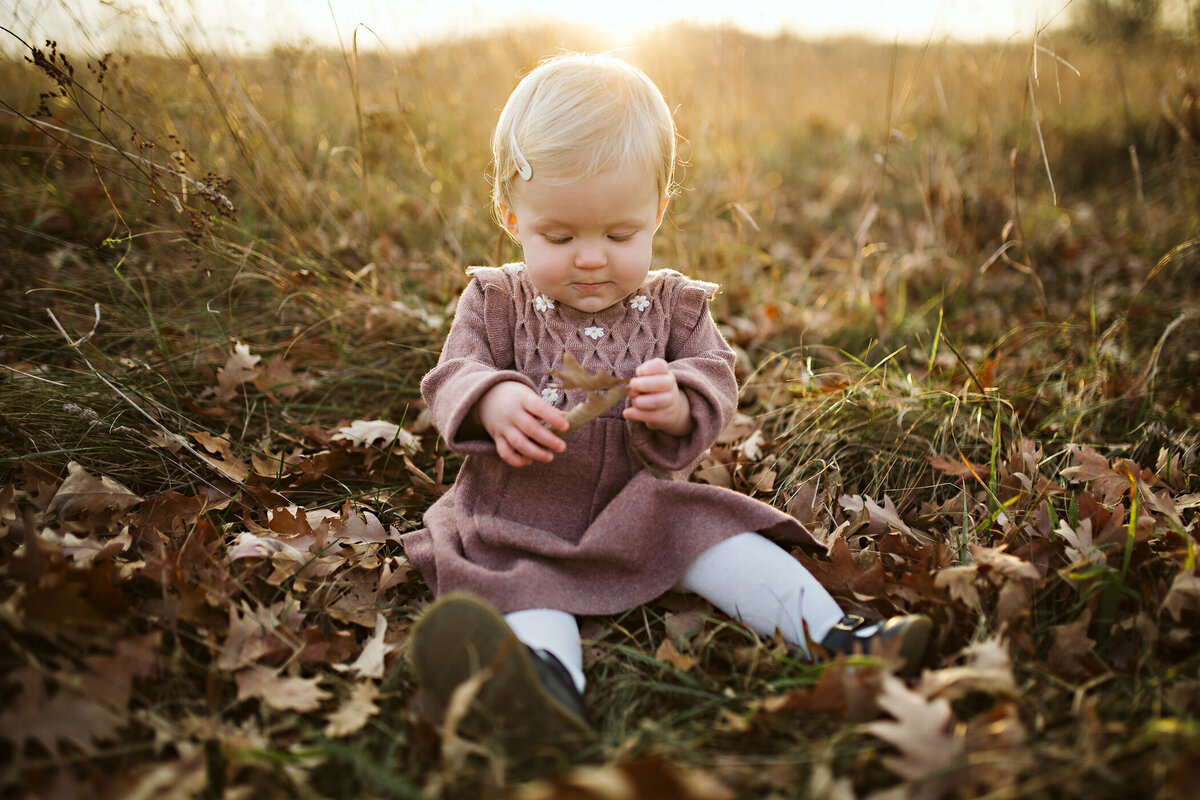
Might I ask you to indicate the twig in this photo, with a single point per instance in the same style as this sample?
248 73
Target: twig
965 365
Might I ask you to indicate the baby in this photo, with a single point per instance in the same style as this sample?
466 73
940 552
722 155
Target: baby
540 527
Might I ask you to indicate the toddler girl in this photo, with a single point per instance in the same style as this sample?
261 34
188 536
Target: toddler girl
541 526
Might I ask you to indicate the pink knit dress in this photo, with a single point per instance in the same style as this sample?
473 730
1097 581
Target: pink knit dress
612 522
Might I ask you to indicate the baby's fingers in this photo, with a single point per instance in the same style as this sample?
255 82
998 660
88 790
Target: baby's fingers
509 455
555 418
655 366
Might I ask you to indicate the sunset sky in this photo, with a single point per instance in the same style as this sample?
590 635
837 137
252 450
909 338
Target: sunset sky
260 23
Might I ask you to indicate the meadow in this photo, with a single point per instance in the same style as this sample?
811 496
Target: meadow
962 284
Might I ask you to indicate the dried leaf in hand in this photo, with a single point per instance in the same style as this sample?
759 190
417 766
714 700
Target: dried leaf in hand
604 391
594 406
572 375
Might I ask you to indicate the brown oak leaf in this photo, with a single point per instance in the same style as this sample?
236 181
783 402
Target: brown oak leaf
922 730
279 691
240 368
354 713
363 432
65 717
83 493
604 391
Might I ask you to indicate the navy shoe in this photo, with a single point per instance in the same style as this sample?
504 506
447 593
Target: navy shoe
527 704
899 640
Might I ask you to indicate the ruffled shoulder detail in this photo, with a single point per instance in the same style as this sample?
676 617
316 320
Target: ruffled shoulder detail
503 275
684 299
491 296
673 281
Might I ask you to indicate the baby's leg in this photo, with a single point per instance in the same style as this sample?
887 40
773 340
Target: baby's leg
554 631
753 579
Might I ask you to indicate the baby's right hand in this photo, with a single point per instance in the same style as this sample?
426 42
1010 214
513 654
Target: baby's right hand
513 415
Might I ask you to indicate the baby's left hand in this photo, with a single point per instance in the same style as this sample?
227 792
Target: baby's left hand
656 399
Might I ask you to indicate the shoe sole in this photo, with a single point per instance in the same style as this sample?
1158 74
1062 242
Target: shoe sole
913 644
461 635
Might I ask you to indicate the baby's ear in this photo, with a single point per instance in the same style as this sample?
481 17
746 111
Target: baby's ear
662 210
510 222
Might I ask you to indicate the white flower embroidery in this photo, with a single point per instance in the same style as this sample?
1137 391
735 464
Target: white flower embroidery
550 394
640 303
543 303
594 332
513 268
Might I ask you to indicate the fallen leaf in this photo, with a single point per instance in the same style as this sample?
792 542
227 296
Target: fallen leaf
651 778
922 730
370 663
363 432
960 468
1070 652
713 472
277 378
682 626
1007 565
884 516
752 448
258 633
65 717
960 583
1183 594
284 693
222 458
352 715
1080 547
987 669
85 551
240 368
849 692
110 678
669 654
1093 469
83 493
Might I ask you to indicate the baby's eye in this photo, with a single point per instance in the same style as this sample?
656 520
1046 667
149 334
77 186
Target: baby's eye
620 237
557 239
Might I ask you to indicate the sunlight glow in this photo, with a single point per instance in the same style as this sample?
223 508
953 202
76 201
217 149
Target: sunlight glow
259 24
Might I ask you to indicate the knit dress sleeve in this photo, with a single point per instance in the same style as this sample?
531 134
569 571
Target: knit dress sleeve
477 355
702 363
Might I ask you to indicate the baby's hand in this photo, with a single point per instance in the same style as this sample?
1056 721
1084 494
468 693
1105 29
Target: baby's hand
513 415
656 399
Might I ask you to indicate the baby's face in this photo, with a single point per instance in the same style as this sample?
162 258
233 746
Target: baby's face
587 242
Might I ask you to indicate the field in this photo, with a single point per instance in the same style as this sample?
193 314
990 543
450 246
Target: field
962 283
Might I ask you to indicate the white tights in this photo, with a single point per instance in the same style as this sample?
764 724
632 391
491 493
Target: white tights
747 576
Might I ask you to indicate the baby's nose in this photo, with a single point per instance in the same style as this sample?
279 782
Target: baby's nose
590 257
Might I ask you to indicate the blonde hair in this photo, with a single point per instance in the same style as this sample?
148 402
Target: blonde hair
577 115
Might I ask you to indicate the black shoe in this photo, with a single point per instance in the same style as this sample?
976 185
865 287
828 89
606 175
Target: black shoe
527 704
557 681
902 640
